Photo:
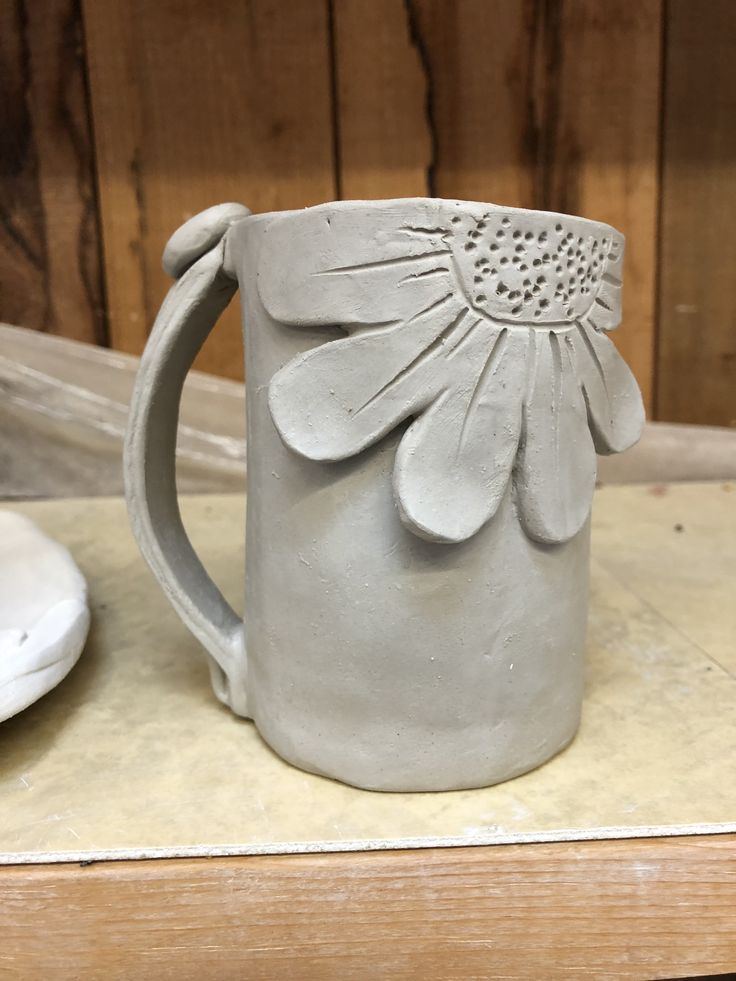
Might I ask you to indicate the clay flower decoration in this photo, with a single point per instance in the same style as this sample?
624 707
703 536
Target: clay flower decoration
485 325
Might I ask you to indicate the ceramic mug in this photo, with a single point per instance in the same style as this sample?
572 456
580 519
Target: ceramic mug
428 382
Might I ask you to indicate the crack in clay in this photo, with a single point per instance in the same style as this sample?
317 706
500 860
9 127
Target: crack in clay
425 231
413 277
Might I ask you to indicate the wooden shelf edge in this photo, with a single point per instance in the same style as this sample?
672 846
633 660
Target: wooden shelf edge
638 908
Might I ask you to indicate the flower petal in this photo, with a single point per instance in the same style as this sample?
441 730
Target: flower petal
336 399
605 311
354 264
556 468
453 464
615 407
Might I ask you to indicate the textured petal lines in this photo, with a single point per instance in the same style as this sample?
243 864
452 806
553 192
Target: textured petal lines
485 325
454 463
383 263
605 311
337 399
450 335
612 396
555 474
352 266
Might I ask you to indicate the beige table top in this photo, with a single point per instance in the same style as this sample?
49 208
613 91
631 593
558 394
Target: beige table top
132 756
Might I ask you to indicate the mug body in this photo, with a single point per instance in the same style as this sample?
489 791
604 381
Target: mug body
402 633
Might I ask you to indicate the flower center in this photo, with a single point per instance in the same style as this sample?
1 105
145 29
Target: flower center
532 269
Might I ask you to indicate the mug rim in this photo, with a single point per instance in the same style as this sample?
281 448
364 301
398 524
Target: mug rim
461 203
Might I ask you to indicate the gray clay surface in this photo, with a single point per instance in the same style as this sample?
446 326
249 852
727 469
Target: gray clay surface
428 384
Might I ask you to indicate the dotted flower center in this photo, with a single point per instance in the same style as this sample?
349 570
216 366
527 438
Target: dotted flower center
518 268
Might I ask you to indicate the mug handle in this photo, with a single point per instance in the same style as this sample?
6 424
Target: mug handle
196 256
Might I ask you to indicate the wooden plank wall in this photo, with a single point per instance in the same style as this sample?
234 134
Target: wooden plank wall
193 104
50 274
122 118
697 326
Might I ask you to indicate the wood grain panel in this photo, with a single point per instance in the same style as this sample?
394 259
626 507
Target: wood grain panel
479 58
640 909
384 135
443 111
195 104
597 149
696 368
550 105
49 245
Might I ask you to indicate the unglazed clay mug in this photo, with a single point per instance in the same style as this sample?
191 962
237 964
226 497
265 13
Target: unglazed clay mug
428 383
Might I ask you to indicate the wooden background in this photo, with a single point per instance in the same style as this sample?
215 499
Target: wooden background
121 118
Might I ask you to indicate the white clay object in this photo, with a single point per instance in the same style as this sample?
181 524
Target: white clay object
44 617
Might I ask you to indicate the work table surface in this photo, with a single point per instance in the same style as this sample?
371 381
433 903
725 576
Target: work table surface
132 759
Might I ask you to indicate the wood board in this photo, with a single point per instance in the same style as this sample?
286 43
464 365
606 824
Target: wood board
623 910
